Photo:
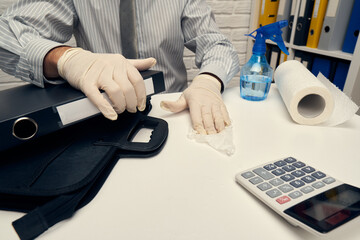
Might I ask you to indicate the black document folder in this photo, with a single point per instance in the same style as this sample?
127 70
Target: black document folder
53 176
28 112
303 22
291 20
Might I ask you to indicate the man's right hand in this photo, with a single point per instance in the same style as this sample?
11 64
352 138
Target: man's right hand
117 76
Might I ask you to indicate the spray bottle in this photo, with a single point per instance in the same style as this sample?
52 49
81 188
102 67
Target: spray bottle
256 75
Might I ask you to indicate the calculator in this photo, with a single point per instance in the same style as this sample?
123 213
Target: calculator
303 195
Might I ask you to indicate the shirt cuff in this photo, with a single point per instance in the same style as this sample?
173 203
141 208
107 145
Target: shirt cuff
35 52
216 70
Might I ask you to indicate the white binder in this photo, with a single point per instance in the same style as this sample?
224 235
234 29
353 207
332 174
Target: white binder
336 20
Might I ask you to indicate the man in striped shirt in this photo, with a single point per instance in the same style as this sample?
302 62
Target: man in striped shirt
33 33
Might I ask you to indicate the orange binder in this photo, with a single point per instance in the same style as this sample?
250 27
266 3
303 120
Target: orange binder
316 23
268 12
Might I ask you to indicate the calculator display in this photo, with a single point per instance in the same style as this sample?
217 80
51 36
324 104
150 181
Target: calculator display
329 209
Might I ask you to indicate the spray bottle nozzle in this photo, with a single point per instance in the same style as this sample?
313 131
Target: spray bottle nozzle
271 31
282 23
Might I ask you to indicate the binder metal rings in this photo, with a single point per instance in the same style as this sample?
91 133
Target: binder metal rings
24 128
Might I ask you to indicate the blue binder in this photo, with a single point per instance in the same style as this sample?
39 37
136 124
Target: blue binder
352 31
340 74
322 65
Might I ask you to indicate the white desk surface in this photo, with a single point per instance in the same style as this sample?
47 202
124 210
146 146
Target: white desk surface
188 192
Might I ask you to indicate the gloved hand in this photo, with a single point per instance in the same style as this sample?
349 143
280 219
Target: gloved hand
207 109
117 76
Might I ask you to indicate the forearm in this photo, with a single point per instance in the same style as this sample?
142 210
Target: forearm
221 60
214 53
50 62
28 31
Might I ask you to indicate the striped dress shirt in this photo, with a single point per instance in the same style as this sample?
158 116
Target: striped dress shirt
31 28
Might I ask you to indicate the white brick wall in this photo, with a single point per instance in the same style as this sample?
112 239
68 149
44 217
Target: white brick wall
232 16
233 19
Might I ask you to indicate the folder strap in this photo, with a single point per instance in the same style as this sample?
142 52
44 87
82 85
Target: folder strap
40 219
62 207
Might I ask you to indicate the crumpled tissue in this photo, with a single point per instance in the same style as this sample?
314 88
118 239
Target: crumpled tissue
222 141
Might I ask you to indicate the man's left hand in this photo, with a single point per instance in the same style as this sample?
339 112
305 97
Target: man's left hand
207 109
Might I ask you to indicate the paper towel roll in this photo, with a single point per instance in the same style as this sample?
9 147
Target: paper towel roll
311 100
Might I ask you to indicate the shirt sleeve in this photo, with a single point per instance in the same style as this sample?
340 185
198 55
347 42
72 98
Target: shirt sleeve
214 53
28 31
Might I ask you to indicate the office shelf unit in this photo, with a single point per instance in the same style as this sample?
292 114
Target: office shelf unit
352 83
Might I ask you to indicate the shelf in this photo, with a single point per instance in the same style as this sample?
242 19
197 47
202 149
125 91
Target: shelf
352 82
335 54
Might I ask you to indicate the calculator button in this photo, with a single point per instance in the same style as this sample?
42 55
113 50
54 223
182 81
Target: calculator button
280 163
298 173
329 180
278 172
297 183
270 167
287 177
256 180
247 175
307 189
276 182
308 169
264 186
290 160
283 199
273 193
295 194
263 173
286 188
318 185
308 179
299 164
318 175
288 168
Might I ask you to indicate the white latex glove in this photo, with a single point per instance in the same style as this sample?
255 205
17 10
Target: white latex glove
207 109
117 76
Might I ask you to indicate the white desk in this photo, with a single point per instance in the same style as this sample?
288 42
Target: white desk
188 192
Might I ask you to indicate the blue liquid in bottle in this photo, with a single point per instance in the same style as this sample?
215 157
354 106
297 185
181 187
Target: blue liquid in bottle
255 78
254 87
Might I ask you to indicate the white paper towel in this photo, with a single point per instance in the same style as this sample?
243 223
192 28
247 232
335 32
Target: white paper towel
222 141
311 100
